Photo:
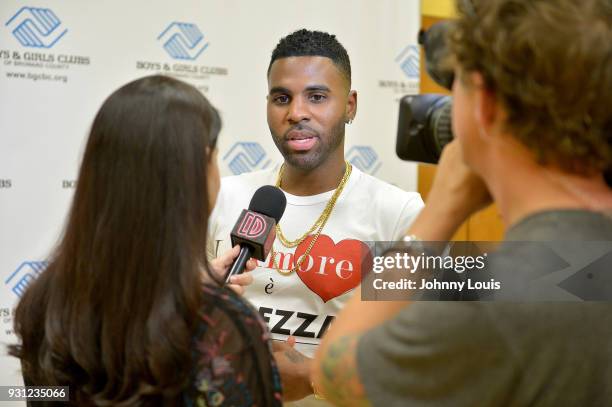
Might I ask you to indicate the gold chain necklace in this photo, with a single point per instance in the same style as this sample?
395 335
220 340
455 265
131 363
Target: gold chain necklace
318 225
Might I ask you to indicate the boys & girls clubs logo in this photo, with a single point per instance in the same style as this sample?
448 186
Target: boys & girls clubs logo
36 31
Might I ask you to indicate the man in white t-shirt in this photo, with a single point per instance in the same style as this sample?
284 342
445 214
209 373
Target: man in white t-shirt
333 209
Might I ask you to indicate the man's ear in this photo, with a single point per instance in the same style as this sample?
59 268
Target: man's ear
486 104
351 106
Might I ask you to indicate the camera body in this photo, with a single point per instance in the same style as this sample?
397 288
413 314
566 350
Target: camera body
424 125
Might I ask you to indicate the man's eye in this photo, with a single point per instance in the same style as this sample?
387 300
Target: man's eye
281 100
317 97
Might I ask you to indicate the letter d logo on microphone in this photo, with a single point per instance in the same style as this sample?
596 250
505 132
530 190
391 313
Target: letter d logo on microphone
255 230
252 225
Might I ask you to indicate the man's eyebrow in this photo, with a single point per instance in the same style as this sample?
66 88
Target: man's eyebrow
279 89
311 88
319 88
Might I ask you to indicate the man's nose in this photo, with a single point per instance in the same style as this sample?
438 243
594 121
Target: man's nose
298 111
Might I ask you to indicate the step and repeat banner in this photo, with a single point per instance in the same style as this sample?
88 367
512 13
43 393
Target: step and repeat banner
59 59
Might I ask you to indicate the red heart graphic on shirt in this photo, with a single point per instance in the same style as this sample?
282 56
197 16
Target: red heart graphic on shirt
331 269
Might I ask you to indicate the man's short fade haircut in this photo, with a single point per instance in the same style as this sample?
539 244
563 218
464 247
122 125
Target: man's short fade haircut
303 43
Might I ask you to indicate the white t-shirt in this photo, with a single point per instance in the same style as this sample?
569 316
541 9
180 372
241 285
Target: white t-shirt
304 303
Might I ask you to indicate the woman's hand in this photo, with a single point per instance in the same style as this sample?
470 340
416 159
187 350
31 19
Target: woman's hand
220 266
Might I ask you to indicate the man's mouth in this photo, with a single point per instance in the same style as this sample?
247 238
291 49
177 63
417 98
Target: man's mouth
301 141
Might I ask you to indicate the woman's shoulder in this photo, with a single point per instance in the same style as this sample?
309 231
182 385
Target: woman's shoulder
232 353
222 302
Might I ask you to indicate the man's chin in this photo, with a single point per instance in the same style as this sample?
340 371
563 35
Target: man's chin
302 161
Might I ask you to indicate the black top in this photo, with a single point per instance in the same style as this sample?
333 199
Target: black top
233 362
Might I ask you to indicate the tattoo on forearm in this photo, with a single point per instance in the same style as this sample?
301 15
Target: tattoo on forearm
295 356
340 380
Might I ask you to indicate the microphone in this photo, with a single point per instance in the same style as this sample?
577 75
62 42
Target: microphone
255 229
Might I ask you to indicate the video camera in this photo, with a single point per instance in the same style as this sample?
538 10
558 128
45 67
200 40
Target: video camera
424 126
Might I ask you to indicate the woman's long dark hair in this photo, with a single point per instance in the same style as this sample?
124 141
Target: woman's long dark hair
114 313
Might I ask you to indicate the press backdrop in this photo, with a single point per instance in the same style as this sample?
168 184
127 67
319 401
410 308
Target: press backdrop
59 59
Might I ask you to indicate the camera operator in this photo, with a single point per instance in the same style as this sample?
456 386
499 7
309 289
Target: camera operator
533 125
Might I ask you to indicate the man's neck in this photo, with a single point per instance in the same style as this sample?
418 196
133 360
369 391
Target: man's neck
521 187
325 177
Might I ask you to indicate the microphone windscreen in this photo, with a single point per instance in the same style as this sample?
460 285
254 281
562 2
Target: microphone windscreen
270 201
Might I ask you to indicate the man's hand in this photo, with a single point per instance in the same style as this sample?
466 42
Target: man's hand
294 369
457 192
221 265
457 184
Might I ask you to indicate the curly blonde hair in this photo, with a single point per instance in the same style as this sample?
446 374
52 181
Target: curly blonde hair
549 62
